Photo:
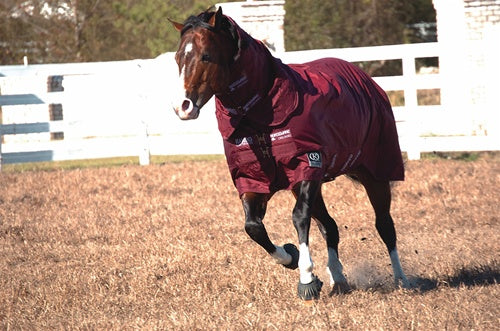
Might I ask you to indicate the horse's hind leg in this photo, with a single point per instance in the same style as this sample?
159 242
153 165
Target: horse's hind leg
255 205
330 232
379 193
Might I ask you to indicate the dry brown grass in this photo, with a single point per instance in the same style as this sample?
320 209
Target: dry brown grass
163 247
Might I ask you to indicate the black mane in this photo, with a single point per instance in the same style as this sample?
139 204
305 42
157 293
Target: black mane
201 20
198 21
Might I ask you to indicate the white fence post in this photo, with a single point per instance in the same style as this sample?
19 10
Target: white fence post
144 154
411 106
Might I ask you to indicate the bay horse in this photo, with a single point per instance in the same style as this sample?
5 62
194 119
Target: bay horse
291 127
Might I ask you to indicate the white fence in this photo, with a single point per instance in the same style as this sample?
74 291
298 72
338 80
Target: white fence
93 110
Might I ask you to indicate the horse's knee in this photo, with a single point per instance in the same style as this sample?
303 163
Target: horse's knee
256 230
301 218
253 228
254 205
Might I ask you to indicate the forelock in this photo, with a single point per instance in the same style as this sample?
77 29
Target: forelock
198 21
202 19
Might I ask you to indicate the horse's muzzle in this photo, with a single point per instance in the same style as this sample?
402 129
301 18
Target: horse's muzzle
187 110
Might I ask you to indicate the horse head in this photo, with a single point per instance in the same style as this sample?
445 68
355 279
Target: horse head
207 48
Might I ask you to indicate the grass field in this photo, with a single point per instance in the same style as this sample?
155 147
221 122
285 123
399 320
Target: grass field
163 247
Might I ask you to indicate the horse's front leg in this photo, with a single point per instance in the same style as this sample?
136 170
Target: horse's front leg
254 205
306 191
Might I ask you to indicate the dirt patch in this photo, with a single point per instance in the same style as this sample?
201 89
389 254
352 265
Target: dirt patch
163 246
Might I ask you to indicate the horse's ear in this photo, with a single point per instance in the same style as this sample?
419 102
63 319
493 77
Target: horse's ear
177 26
215 19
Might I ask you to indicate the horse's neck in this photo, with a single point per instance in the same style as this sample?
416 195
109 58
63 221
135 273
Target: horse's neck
251 78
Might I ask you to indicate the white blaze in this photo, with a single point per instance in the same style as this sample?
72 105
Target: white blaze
188 48
180 90
184 107
179 94
182 76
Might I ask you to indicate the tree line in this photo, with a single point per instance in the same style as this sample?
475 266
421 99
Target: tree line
55 31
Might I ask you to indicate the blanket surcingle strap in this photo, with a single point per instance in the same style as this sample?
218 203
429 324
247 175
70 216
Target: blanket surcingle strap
314 121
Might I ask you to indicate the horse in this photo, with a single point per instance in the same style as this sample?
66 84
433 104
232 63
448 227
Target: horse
291 127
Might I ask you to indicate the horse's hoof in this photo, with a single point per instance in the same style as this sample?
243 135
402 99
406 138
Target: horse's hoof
310 291
294 252
341 288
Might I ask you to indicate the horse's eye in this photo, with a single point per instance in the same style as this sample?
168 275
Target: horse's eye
205 57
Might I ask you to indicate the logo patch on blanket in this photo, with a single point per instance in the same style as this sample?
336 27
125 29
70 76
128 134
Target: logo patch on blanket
314 159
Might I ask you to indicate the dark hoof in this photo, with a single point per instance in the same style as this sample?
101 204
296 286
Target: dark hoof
341 288
310 291
294 252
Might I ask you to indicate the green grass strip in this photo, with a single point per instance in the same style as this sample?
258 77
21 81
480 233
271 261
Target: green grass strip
104 162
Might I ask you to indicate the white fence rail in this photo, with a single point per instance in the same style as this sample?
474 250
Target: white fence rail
93 110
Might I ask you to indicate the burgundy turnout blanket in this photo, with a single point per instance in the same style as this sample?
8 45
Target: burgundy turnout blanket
314 121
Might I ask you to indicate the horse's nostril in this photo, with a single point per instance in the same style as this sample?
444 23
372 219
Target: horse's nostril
186 105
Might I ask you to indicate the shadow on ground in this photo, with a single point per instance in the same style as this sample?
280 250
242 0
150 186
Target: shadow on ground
482 275
468 276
